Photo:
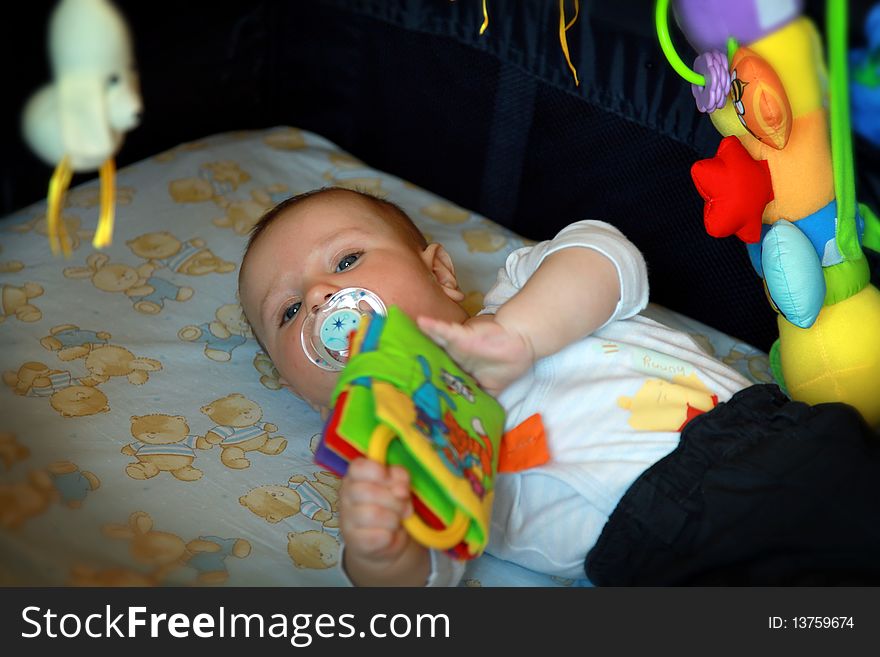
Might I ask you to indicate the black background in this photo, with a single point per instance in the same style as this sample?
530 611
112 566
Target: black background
493 123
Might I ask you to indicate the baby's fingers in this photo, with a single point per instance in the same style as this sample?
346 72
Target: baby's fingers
367 541
394 478
360 493
432 328
369 516
441 332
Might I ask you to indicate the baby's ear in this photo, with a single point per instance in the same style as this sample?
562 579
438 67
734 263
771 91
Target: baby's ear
440 263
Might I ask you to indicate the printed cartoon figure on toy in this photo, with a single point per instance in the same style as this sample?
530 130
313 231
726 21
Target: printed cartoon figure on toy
473 456
780 184
77 122
428 402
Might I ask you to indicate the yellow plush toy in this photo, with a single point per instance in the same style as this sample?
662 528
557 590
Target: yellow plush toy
782 186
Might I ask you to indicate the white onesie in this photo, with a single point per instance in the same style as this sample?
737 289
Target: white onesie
612 405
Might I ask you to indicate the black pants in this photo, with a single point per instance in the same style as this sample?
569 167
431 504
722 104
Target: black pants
760 491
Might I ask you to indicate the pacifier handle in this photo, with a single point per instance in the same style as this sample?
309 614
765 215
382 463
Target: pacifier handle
440 539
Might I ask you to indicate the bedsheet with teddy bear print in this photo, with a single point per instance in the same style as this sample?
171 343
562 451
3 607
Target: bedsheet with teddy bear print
144 437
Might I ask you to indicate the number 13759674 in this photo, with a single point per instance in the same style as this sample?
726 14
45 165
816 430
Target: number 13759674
810 623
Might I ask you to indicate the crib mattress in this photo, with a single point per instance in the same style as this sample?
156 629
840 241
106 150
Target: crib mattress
144 436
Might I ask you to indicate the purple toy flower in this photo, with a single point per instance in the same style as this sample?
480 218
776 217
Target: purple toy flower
712 65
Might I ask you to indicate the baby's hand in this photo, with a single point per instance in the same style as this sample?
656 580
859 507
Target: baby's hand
373 501
495 355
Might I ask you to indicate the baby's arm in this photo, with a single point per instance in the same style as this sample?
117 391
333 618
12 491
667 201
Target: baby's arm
373 500
573 292
555 293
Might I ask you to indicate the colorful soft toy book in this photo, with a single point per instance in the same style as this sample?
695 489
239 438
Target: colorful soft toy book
402 400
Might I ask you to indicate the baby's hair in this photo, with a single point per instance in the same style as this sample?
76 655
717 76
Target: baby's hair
398 219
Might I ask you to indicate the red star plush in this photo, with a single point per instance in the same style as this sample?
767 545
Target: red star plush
736 188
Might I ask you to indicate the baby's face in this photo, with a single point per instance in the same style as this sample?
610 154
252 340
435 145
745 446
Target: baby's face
318 247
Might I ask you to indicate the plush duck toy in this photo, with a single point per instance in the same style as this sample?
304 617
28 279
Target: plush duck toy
782 182
77 122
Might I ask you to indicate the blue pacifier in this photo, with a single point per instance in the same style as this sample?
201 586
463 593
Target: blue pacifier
327 330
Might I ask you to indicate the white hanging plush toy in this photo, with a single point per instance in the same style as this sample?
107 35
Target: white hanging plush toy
77 122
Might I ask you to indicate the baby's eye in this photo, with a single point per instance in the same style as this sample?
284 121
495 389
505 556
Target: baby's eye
347 261
290 312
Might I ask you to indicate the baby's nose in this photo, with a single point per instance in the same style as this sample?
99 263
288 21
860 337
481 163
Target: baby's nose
326 299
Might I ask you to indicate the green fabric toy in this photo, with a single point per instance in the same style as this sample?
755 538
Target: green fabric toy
402 400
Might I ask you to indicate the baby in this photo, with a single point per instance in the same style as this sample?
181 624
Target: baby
626 497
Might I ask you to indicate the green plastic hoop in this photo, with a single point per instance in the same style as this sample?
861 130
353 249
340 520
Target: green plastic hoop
678 65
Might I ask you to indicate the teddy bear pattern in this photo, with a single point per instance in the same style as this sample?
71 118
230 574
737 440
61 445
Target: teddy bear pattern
349 172
10 266
221 336
163 443
15 301
238 430
72 484
165 552
11 451
22 500
79 396
269 375
69 396
60 481
315 549
148 293
72 225
70 342
218 182
163 250
110 360
315 497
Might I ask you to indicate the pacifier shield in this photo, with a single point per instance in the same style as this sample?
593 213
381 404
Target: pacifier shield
327 329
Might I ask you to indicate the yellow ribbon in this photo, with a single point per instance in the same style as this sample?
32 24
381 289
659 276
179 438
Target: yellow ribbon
563 28
57 231
104 233
59 239
485 18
